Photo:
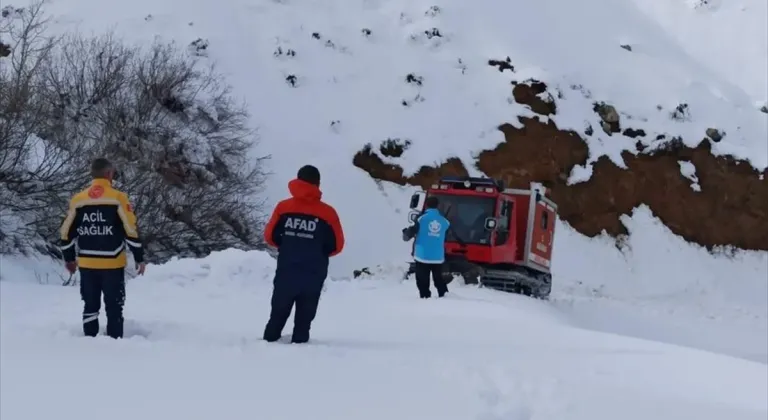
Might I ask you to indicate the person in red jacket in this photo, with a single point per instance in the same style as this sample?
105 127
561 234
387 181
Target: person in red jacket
307 232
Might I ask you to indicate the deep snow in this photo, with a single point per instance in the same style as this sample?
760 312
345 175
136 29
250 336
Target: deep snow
730 38
378 352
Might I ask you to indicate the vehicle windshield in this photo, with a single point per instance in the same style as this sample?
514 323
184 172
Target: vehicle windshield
467 215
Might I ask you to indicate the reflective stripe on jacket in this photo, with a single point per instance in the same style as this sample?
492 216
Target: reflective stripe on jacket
98 226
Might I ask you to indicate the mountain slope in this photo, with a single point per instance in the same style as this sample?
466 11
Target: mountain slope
378 353
729 38
350 62
324 79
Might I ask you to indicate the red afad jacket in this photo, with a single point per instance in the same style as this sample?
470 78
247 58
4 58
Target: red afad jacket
306 231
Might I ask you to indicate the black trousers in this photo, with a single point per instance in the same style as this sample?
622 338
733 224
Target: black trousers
110 283
423 271
284 298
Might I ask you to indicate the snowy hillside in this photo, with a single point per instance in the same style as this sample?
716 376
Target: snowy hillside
660 328
325 77
729 38
193 352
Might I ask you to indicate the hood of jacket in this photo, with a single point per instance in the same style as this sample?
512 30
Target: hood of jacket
304 191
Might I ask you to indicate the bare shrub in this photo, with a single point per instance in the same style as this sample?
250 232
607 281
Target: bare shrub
182 144
34 173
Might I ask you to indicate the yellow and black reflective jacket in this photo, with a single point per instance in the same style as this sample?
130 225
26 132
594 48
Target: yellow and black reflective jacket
100 221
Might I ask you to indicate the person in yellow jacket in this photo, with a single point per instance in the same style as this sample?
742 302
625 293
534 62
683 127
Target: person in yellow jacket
101 222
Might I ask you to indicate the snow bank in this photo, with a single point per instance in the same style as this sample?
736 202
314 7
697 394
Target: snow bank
653 286
657 286
192 351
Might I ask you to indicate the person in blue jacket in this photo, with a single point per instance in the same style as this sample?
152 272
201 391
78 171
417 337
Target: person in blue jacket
429 230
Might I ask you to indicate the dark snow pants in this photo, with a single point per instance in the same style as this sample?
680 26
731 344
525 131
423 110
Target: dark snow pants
285 296
110 283
423 271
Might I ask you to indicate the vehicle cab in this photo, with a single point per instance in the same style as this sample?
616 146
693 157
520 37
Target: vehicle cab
472 207
497 225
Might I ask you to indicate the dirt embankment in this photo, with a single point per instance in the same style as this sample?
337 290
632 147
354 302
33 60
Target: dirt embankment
731 207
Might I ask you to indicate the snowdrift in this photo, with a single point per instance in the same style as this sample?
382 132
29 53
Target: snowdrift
192 351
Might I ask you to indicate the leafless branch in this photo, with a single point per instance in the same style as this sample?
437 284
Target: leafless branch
182 143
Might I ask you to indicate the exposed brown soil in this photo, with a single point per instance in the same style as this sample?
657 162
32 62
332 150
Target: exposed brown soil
731 209
530 94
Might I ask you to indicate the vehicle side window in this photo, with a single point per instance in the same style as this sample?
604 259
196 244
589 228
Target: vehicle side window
503 215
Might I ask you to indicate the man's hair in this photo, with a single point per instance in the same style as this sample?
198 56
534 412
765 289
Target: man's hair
431 202
310 174
100 167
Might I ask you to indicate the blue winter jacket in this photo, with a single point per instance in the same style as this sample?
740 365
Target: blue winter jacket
429 245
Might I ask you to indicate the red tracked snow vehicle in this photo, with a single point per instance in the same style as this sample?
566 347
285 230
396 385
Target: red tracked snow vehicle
507 233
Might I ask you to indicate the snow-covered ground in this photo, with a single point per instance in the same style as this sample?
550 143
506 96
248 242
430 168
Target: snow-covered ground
664 289
681 338
728 37
660 329
378 352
